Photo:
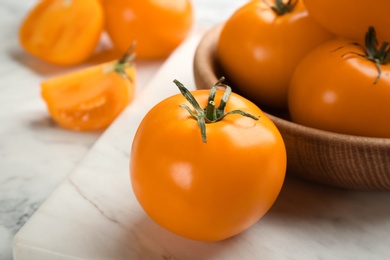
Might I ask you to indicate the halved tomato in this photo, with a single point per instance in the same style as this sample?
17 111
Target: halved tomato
62 32
91 98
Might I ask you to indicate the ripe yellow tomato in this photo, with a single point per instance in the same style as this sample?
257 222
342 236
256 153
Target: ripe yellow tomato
158 26
212 189
351 18
62 32
258 49
339 87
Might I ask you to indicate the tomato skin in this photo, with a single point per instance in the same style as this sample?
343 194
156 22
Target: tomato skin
260 59
88 99
158 26
338 94
351 18
62 32
206 191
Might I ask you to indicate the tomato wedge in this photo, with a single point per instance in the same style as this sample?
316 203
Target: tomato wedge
62 32
91 98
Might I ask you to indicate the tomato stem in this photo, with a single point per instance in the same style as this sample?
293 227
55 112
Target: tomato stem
126 61
371 52
211 113
281 8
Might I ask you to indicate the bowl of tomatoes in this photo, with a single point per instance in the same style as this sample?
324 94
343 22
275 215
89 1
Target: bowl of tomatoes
350 161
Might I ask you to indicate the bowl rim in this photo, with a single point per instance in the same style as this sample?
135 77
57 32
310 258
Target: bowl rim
331 136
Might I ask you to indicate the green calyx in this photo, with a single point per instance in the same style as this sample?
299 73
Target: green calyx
211 113
281 7
125 62
371 51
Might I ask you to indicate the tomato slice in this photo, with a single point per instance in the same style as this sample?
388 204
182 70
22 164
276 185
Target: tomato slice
89 99
62 32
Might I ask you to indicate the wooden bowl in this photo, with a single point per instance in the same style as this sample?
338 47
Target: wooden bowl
347 161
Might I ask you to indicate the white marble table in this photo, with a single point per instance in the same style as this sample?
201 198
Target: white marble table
36 155
89 211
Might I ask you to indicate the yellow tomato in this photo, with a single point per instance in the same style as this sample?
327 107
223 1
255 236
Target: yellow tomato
259 48
351 18
207 186
344 88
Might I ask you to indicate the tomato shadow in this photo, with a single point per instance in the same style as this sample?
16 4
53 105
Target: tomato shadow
43 122
49 129
304 210
104 52
45 69
301 201
34 64
148 240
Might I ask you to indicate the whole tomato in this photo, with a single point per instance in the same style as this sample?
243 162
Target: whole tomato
343 87
207 181
261 44
351 18
158 26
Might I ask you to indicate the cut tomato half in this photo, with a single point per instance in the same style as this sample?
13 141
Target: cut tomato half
91 98
62 32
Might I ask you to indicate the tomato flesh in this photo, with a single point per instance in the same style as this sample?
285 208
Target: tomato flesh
89 99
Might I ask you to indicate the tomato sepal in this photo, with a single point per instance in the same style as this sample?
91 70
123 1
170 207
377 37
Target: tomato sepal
379 56
281 8
126 61
210 114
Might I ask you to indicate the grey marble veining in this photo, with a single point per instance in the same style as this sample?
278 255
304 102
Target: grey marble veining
32 148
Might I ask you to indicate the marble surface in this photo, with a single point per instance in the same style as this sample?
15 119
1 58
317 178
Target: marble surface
94 215
36 155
